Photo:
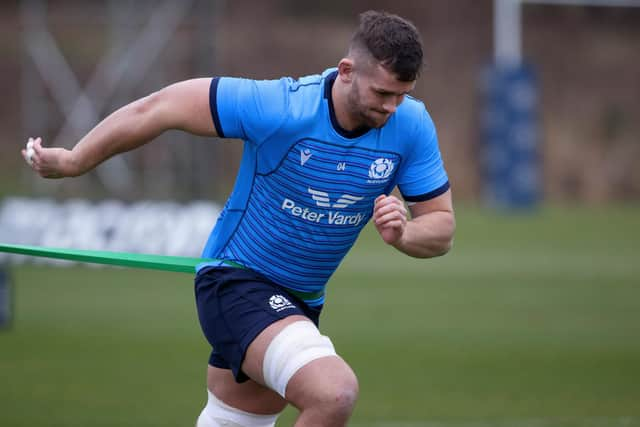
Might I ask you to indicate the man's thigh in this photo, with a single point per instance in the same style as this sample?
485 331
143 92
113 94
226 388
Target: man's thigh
253 363
248 396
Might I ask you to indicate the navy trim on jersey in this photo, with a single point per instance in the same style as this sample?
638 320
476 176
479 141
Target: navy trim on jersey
428 196
213 106
330 79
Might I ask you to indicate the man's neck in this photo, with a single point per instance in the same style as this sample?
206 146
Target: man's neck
339 99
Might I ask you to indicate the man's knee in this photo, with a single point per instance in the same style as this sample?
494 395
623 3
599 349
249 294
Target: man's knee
218 414
338 399
334 391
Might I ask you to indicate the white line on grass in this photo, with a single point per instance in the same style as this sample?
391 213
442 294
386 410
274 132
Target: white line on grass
522 422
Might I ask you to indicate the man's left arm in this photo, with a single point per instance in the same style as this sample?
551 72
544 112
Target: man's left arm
429 232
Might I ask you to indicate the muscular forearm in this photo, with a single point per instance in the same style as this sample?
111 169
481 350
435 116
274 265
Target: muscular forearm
127 128
428 235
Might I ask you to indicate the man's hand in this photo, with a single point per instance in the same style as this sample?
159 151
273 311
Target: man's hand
390 218
429 232
48 162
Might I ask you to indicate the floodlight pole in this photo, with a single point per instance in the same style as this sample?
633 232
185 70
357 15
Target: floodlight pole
507 23
507 32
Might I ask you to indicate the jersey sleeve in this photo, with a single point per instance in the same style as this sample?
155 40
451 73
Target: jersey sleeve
247 109
423 176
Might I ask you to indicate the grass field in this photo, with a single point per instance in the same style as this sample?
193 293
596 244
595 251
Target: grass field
530 321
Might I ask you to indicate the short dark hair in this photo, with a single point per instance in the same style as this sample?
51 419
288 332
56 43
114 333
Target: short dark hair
392 40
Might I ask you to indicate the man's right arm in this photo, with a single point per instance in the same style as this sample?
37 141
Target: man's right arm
182 106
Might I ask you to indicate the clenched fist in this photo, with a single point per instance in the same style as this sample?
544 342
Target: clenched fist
390 218
48 162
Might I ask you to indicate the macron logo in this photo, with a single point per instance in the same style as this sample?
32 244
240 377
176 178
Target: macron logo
323 201
304 156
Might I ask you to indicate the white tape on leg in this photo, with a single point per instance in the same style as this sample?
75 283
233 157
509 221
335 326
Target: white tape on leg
296 345
219 414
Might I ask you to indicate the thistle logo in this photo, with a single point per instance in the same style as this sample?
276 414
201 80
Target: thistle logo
381 168
331 217
279 303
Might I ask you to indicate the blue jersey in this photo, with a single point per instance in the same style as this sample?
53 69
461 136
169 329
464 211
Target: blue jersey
306 187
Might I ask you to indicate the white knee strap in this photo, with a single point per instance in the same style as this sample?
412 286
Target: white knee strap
219 414
296 345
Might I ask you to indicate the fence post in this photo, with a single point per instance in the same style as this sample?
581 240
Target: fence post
6 298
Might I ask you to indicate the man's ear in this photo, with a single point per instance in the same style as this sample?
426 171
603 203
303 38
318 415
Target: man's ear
345 70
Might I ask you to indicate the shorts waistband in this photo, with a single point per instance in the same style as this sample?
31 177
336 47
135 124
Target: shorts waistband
234 264
304 296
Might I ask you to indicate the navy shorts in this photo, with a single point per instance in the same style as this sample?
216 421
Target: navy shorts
234 306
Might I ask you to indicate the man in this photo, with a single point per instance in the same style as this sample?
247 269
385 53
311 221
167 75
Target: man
322 155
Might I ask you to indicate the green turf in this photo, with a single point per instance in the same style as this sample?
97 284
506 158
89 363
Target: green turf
530 321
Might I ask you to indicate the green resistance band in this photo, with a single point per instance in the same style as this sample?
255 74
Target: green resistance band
123 259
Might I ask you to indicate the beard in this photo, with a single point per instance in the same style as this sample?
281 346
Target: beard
364 115
375 119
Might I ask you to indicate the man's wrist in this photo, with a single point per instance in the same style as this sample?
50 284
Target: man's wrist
72 166
400 243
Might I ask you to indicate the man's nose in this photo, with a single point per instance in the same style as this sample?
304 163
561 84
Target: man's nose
389 107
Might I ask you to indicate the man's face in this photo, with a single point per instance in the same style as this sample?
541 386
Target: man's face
375 94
